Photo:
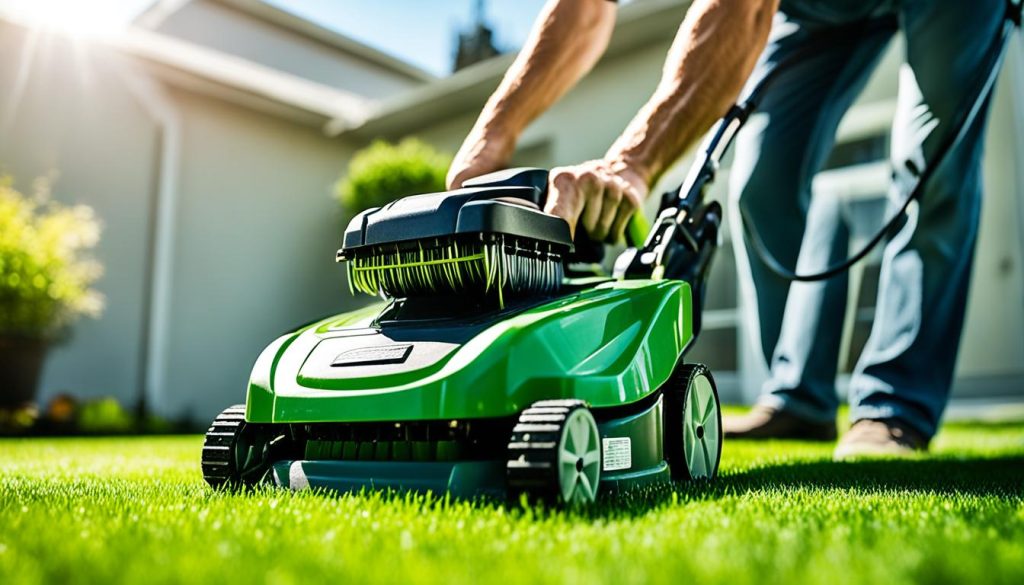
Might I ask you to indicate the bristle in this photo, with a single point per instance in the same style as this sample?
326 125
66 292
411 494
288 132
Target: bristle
494 267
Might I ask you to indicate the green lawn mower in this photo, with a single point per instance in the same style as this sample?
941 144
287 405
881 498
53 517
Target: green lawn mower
490 367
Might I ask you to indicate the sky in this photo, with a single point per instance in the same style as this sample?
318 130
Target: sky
421 32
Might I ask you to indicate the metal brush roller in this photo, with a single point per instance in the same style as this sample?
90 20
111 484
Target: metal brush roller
487 239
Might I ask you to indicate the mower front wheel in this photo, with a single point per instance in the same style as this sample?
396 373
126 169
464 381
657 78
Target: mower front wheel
237 453
555 453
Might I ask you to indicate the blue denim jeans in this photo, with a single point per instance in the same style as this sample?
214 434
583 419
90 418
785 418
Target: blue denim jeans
906 368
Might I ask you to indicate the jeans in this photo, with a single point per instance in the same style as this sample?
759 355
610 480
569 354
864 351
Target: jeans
906 368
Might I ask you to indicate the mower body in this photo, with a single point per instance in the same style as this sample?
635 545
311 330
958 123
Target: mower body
609 345
487 371
428 402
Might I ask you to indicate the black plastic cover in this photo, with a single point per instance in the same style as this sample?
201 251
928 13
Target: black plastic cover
494 209
517 177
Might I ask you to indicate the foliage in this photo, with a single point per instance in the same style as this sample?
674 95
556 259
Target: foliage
383 172
136 510
46 275
104 415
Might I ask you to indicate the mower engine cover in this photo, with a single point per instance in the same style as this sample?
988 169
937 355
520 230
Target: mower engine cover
502 203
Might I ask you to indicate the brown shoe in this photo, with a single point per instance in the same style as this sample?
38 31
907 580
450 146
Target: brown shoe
879 438
765 422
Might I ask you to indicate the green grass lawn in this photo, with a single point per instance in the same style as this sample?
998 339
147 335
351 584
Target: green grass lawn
137 511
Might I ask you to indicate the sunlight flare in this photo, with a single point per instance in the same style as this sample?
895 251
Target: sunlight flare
73 17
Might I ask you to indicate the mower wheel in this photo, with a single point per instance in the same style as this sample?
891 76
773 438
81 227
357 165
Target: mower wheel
555 453
237 453
692 423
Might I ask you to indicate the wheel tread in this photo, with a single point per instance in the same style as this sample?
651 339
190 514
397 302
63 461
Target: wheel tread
217 465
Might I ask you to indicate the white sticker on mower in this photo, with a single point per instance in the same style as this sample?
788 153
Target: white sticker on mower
616 453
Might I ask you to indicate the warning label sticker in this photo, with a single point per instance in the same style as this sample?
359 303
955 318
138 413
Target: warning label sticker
616 453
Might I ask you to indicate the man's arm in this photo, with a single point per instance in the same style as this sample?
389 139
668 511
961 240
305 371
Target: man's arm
568 39
713 54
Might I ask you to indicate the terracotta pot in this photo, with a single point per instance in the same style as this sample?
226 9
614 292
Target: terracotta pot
21 362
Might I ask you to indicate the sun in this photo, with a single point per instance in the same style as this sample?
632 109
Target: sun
75 17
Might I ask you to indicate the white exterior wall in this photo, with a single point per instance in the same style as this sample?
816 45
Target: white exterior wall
257 229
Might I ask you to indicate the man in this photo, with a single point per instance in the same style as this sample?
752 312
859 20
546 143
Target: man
901 384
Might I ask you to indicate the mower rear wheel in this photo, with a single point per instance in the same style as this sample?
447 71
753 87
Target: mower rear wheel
693 424
555 453
237 453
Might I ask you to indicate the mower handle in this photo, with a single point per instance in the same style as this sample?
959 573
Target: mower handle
683 239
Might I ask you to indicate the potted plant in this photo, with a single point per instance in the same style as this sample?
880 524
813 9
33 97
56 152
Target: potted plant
46 278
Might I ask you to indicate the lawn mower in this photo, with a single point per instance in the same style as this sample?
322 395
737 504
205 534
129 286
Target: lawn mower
491 367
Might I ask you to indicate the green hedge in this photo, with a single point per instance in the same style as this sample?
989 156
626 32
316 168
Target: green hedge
383 172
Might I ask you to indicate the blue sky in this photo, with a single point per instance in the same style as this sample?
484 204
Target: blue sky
419 31
422 32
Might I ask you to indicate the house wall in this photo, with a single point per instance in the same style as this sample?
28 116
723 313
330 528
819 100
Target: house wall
255 223
993 342
257 230
66 114
232 31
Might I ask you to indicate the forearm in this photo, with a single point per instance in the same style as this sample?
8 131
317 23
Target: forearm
712 56
567 41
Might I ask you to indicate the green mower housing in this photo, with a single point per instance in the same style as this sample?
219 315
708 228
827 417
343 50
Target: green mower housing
556 397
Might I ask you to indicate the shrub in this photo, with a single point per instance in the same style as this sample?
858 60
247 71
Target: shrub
383 172
104 415
45 272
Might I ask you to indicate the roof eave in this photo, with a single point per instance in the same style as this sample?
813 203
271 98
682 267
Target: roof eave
195 67
152 17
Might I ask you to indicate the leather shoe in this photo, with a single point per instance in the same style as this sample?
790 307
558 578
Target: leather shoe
887 437
765 422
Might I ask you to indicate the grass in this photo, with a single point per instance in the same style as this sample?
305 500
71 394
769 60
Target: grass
137 511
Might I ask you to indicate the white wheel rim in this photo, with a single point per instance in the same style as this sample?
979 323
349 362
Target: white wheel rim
700 428
579 458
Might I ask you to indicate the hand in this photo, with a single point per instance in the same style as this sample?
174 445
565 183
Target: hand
480 154
599 194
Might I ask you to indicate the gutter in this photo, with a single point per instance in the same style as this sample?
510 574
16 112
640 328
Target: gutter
156 320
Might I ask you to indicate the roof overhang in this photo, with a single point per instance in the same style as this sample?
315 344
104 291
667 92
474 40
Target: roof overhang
160 10
207 71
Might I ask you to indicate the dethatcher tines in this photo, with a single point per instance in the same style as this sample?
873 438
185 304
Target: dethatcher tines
485 264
